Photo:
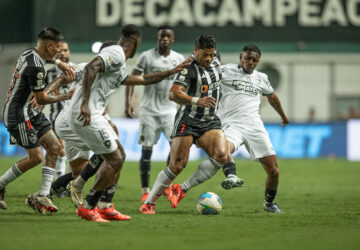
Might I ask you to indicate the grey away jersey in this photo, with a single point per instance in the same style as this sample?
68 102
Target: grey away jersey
155 98
201 81
241 95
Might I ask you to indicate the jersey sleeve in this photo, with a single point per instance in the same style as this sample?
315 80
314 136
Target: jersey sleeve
183 78
35 77
266 87
142 63
112 57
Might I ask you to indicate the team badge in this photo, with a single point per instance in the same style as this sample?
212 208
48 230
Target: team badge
40 75
184 72
165 62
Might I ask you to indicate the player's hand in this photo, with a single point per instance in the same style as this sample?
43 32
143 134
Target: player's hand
285 121
84 114
206 102
70 93
181 66
114 127
34 104
68 79
129 111
67 69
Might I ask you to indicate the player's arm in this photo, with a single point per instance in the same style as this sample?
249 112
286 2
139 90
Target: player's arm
58 82
276 104
129 110
64 67
91 70
42 98
155 77
177 94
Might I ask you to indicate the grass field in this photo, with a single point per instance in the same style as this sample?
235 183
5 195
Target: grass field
321 201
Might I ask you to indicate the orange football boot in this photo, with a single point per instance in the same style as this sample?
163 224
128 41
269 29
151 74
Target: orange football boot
147 208
177 195
112 214
90 214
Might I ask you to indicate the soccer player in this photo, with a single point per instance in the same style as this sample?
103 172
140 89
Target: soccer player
28 127
197 90
104 75
55 108
242 87
156 112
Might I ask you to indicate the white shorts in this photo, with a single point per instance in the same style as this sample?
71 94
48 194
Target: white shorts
73 145
152 126
255 138
99 136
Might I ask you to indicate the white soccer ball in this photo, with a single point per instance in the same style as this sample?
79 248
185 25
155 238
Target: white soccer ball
209 203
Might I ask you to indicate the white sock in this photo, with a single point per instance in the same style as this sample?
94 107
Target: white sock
10 175
79 183
104 205
145 190
207 169
60 167
47 178
163 181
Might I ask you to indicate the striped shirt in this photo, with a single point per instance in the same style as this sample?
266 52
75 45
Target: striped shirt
28 76
200 81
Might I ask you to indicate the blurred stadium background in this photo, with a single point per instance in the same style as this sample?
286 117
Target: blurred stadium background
311 52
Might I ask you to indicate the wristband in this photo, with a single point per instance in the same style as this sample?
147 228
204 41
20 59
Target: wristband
57 61
107 117
194 100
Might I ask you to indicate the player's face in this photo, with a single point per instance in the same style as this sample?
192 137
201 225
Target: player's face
53 48
165 38
204 57
249 60
64 53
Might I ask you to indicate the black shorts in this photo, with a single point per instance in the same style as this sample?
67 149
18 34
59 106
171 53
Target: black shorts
27 134
186 125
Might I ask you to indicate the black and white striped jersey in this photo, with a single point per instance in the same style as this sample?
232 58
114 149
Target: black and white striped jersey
56 107
201 81
29 75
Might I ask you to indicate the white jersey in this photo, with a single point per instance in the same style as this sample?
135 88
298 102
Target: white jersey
241 95
155 98
105 83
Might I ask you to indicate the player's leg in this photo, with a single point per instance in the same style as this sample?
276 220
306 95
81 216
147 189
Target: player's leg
270 165
145 166
60 167
179 155
35 157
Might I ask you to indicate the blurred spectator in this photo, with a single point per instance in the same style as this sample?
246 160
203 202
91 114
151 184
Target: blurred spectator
312 116
353 113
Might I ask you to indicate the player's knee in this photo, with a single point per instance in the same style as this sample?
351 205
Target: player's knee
274 172
178 165
221 156
36 158
61 152
54 149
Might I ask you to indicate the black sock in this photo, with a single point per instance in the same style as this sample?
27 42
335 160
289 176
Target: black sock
145 165
270 195
168 160
92 167
59 185
108 194
229 168
92 199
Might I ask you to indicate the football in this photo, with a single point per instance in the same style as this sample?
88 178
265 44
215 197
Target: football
209 203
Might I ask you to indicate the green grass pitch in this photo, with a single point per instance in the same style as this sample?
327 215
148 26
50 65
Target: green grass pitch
321 201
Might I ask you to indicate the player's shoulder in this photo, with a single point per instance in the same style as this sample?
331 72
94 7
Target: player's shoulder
114 50
261 75
229 66
148 53
177 55
33 60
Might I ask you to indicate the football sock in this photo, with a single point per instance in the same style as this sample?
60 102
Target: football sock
163 181
229 168
47 178
168 159
10 175
60 184
269 196
92 167
92 199
106 197
207 169
145 165
60 167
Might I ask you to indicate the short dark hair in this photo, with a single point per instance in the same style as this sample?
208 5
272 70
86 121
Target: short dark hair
252 47
205 42
130 31
50 34
106 44
165 27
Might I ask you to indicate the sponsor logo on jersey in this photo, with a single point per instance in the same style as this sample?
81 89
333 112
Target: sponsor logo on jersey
246 87
205 88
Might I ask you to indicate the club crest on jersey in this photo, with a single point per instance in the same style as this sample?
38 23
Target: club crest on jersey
40 75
